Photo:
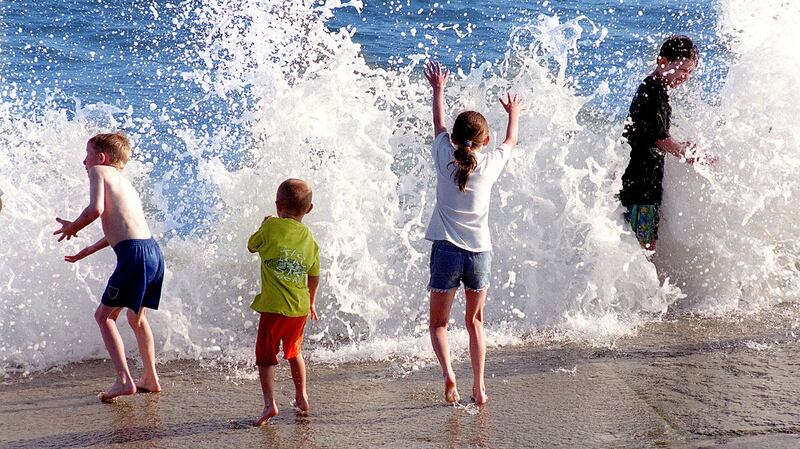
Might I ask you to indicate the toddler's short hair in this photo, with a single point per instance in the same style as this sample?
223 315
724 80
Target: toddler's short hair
115 145
294 195
679 47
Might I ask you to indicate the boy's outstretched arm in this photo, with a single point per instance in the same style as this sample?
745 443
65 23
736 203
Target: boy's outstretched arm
70 229
513 107
437 79
679 150
313 283
88 251
672 146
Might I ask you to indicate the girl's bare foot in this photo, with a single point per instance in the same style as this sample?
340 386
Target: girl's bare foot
450 389
301 403
269 413
148 386
118 389
479 396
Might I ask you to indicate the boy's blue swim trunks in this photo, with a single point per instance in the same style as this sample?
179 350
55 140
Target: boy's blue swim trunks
136 281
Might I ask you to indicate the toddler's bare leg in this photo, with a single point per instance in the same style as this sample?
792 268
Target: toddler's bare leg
106 318
477 344
144 337
298 366
267 376
441 302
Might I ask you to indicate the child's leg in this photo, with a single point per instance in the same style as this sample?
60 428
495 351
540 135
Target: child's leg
298 366
441 302
144 337
267 376
477 344
106 318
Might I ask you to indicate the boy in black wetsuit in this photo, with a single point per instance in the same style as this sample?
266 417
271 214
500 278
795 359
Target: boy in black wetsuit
647 132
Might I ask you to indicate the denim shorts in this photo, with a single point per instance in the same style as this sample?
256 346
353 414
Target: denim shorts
451 265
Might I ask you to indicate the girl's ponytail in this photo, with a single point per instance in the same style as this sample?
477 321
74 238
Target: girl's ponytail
465 163
469 132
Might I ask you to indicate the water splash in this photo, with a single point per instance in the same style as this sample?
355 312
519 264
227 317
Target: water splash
304 103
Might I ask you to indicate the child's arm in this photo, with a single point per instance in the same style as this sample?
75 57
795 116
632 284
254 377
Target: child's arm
89 250
256 240
313 283
513 108
70 229
437 79
679 150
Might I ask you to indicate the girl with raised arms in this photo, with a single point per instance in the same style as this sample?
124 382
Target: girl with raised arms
459 226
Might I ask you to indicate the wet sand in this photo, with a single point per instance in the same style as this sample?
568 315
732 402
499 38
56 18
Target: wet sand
683 384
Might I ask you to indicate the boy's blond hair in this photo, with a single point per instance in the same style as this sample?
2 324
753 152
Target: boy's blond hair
114 145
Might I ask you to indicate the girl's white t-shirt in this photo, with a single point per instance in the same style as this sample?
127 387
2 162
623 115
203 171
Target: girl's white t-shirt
462 218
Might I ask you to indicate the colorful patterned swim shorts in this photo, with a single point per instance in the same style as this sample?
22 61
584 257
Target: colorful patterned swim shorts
644 222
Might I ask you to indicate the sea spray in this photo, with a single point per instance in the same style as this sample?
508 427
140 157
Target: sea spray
293 98
728 237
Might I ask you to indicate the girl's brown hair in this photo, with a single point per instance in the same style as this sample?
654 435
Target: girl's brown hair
469 132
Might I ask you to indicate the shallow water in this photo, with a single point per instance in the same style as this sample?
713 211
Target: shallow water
735 389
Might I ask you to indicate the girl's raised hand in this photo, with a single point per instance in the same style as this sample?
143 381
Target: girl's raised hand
513 104
435 75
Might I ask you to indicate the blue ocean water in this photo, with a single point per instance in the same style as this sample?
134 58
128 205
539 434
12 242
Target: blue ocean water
66 54
134 55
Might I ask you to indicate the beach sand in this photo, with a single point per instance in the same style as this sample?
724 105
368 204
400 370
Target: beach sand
687 383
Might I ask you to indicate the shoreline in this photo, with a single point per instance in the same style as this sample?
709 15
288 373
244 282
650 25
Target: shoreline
653 390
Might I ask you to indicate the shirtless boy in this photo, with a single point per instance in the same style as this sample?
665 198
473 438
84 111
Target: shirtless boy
136 281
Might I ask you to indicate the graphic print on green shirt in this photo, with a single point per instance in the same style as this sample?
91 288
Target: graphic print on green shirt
288 266
288 254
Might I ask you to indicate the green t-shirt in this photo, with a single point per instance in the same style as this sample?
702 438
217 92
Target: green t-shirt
288 253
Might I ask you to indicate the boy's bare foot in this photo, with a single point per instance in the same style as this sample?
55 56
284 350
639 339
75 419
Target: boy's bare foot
479 396
301 404
269 413
450 389
148 386
118 389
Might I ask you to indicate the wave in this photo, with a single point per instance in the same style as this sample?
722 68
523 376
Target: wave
565 265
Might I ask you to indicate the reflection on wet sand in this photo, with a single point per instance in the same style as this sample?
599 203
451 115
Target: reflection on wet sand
681 384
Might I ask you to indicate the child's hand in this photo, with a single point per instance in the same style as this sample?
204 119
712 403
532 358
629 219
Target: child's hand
64 231
513 104
702 159
435 76
313 313
81 254
706 159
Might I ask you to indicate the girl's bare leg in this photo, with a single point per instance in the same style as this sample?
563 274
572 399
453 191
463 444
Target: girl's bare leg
477 343
441 302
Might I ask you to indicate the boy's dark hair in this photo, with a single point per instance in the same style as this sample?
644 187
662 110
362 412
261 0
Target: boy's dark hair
469 132
294 196
114 145
679 47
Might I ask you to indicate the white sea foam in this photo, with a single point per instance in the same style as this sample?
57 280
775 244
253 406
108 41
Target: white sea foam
564 261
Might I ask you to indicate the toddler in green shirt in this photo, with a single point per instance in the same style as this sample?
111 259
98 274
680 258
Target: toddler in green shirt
289 280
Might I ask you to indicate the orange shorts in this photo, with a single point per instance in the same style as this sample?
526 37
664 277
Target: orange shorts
273 329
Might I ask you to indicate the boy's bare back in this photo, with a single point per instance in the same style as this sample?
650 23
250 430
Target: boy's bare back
121 210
